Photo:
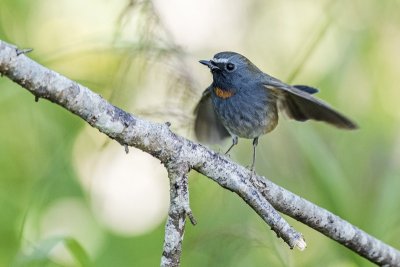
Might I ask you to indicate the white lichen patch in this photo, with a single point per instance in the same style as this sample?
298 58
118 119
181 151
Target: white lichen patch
181 223
146 141
172 237
165 261
347 231
105 124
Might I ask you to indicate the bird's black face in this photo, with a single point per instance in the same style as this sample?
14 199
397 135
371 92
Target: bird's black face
230 70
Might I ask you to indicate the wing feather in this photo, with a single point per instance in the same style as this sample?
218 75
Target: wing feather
300 105
207 127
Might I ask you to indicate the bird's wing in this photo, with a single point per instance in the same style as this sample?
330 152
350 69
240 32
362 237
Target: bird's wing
299 104
306 88
207 127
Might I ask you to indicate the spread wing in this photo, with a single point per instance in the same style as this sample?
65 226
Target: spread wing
299 104
207 127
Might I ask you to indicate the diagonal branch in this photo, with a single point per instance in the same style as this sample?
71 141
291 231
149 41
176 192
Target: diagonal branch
329 224
155 139
163 144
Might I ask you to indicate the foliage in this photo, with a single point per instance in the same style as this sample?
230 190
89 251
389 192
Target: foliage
129 52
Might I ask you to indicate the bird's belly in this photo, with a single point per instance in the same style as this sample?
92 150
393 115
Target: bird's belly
247 116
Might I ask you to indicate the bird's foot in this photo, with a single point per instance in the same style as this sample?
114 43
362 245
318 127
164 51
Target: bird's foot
250 168
226 154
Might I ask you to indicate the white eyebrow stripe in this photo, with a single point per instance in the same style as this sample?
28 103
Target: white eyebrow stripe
219 60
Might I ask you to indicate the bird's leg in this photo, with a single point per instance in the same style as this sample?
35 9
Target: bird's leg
234 143
255 143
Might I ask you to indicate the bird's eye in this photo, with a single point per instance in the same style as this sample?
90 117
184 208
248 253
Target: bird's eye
230 66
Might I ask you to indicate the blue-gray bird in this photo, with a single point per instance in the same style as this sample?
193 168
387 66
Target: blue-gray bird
243 101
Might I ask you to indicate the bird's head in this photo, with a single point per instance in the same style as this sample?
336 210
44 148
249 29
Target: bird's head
230 70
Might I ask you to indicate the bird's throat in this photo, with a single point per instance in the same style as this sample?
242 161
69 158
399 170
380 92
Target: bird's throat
223 93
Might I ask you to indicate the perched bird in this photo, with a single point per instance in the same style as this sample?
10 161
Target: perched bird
243 101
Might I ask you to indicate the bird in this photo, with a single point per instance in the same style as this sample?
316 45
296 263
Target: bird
244 102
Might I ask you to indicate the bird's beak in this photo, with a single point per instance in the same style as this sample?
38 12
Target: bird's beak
210 64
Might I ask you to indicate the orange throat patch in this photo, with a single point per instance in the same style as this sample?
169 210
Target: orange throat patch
224 94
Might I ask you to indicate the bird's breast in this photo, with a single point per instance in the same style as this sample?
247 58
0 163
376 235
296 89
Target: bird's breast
245 113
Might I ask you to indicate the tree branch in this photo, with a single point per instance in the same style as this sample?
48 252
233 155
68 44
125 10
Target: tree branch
179 208
168 147
155 139
329 224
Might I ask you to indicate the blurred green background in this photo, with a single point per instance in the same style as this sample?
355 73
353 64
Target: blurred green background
70 197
